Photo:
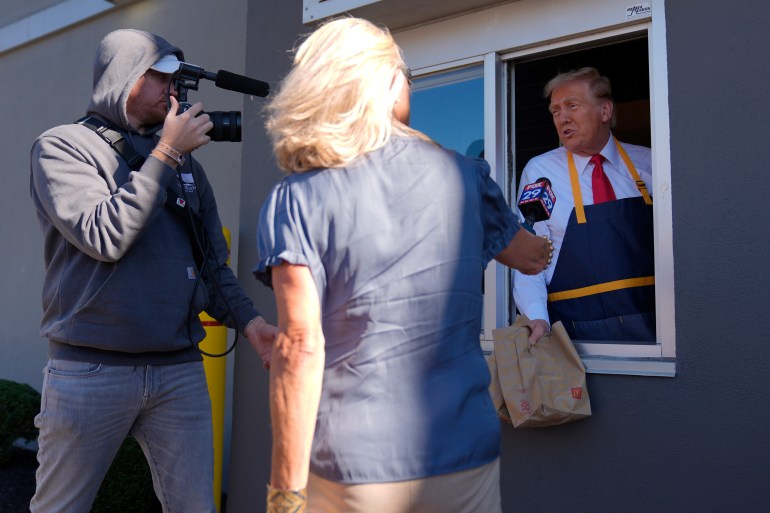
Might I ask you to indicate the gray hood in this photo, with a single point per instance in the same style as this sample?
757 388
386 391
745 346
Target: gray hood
122 57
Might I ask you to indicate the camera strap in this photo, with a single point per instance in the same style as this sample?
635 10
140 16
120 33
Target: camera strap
115 139
174 201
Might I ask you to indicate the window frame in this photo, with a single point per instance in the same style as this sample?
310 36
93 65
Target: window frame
627 359
642 359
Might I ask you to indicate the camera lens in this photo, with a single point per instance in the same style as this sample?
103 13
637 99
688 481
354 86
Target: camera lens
227 126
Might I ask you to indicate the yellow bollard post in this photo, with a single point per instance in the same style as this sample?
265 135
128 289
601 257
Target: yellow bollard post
216 370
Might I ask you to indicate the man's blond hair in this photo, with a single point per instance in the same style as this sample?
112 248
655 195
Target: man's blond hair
599 84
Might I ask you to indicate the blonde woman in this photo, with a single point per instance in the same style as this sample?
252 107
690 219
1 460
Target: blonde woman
375 244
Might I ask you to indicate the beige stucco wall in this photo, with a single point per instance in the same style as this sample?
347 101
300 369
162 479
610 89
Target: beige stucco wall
47 81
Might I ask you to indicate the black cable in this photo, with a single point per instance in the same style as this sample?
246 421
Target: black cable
205 260
204 251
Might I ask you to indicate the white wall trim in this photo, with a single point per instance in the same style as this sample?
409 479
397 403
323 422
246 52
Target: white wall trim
496 275
314 10
50 20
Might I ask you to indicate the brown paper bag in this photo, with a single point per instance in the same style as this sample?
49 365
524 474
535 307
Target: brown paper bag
539 385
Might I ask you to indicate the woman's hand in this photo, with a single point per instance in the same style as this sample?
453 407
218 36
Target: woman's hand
527 253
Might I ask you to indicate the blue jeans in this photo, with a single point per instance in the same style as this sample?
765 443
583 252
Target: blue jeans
86 412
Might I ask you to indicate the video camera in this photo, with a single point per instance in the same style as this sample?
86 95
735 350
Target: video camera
227 124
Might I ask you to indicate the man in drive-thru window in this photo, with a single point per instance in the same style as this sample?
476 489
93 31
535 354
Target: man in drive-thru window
601 282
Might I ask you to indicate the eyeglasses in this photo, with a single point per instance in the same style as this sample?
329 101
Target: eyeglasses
408 75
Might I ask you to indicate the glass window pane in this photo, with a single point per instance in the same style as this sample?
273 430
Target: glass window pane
449 107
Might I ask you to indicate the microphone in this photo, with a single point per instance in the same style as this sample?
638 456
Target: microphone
241 84
536 202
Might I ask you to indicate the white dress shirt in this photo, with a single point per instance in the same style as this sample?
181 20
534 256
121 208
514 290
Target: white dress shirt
529 292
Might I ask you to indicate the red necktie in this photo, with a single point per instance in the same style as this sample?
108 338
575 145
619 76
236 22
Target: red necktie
600 183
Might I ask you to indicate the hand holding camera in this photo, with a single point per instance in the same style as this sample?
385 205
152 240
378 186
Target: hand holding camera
226 126
188 130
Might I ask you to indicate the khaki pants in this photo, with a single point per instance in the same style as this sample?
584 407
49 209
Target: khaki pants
471 491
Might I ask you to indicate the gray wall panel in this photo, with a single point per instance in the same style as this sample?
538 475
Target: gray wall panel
693 443
697 442
274 28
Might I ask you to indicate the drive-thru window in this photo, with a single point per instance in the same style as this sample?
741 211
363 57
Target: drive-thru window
478 82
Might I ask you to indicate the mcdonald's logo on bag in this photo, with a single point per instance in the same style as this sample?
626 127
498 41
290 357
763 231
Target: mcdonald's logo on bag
577 392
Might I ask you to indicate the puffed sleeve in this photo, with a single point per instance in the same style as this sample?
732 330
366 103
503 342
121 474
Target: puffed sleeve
499 223
283 233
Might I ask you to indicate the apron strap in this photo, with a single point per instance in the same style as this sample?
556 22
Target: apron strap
580 214
602 287
639 182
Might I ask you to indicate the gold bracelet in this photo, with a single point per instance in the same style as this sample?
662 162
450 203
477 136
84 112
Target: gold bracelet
286 501
170 153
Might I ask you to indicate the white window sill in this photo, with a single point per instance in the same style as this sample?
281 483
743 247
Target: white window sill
628 360
660 367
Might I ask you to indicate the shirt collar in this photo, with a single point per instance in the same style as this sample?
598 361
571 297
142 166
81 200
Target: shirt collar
609 152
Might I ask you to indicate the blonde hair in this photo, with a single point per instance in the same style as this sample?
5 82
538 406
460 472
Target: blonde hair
599 84
337 102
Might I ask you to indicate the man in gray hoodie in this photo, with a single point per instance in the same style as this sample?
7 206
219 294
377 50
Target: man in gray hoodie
133 251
